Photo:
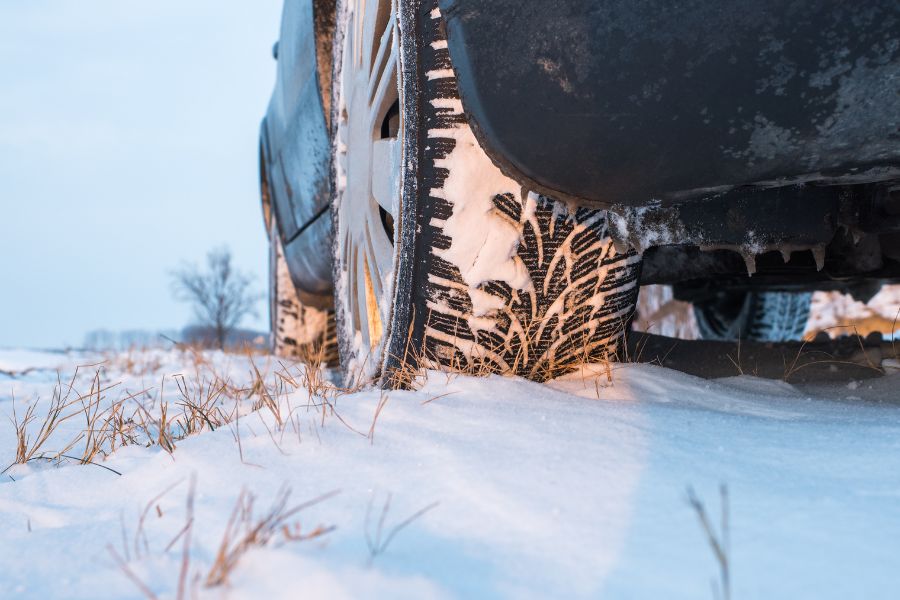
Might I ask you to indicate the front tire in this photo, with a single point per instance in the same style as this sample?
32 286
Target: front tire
448 263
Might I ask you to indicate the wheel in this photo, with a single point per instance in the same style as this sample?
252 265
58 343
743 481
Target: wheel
299 332
440 260
756 316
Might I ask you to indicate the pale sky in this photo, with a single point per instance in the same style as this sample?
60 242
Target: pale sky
128 143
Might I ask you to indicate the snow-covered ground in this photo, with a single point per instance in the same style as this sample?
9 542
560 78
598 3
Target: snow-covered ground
15 362
467 487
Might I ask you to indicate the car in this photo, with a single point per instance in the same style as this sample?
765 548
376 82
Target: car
484 186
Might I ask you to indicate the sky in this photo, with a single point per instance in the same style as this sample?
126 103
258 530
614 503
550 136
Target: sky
128 145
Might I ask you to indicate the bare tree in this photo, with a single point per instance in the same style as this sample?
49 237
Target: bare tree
220 294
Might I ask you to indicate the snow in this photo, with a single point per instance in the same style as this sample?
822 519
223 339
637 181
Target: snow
576 488
14 361
659 312
483 242
838 314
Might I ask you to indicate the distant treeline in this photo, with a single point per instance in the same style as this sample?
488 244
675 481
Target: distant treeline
105 339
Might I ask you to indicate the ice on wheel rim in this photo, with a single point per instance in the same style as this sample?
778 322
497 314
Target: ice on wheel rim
367 170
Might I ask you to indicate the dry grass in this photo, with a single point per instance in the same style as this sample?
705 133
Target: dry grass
204 402
818 358
382 402
377 541
65 403
123 566
184 534
245 530
134 361
177 407
719 541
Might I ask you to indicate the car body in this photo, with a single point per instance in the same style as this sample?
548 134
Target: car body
755 145
295 147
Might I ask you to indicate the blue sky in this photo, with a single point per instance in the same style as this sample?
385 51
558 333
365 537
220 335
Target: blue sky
128 143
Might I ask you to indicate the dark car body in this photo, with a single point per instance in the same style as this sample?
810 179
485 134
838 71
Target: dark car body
622 102
705 127
295 147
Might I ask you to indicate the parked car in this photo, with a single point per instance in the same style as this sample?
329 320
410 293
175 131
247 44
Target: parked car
466 184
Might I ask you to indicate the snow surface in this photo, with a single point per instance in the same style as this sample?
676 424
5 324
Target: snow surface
16 361
576 488
836 313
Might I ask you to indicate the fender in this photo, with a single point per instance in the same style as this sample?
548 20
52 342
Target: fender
626 102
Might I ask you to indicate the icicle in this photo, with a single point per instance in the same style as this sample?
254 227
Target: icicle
785 254
749 260
818 253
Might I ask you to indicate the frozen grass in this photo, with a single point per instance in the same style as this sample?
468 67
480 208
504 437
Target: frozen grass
718 540
203 400
245 531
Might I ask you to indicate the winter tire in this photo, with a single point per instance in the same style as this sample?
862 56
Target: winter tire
440 259
755 316
299 332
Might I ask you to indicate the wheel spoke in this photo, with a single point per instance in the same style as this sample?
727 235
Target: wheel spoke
367 170
385 92
353 284
385 173
368 303
380 262
370 9
385 52
358 12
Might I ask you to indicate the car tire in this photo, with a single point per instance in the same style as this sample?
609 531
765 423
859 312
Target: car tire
754 316
450 264
299 332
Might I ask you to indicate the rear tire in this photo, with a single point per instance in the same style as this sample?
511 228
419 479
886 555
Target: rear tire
299 332
754 316
483 276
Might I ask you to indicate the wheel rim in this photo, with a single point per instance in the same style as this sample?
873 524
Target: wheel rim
367 172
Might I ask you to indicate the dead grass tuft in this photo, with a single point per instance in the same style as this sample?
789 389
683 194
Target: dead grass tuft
148 417
245 531
719 541
33 447
378 540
